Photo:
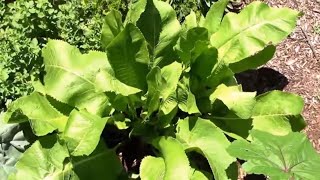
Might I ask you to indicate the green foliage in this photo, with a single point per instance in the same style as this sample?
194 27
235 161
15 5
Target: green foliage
183 8
169 85
45 160
25 27
280 157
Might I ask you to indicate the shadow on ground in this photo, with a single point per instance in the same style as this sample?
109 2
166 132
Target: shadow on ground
261 80
254 177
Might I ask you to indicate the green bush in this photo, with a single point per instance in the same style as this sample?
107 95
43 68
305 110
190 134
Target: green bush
26 26
184 7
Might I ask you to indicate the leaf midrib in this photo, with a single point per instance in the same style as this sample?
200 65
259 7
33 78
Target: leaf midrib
72 72
245 29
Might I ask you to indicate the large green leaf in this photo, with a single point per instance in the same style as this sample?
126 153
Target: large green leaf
201 135
82 132
241 103
107 82
150 25
189 22
135 10
70 76
193 40
254 61
201 69
214 16
278 113
155 81
36 108
191 43
275 112
207 72
160 27
48 158
129 58
198 175
186 99
169 104
279 157
43 160
175 159
171 75
112 27
205 75
162 84
256 26
152 168
232 125
102 162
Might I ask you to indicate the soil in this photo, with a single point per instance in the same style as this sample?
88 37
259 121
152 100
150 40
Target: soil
296 63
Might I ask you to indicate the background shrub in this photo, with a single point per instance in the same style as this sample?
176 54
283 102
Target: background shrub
26 25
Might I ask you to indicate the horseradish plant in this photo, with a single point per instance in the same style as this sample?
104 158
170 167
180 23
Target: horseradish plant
172 87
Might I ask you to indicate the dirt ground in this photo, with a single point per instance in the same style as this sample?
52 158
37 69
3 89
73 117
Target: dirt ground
298 59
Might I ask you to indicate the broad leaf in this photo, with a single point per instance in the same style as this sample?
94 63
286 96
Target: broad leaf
168 111
43 160
102 162
254 61
152 29
169 104
107 82
186 99
279 157
191 44
152 168
198 175
189 22
214 16
162 84
201 70
70 76
155 81
82 133
201 135
160 27
241 36
175 159
129 58
241 103
135 11
278 113
205 75
232 125
275 112
36 108
171 75
112 27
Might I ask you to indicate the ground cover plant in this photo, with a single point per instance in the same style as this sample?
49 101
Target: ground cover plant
165 91
26 26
